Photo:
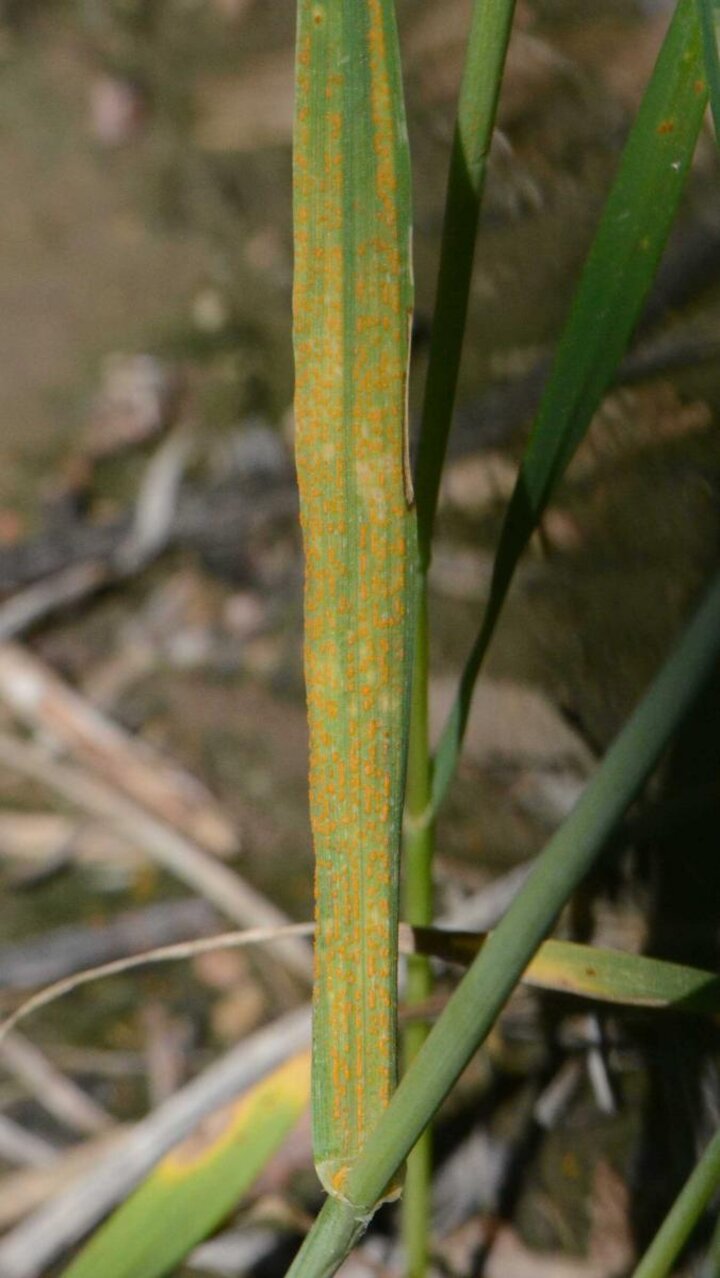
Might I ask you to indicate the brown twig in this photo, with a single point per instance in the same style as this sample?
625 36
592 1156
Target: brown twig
22 1192
163 954
52 955
32 1246
129 550
44 703
213 880
38 601
59 1095
22 1147
42 840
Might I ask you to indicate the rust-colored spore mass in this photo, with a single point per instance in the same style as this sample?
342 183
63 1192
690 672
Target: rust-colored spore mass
351 302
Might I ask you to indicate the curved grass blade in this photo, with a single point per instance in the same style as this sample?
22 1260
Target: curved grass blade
477 104
588 971
488 983
615 281
352 308
709 14
683 1216
198 1183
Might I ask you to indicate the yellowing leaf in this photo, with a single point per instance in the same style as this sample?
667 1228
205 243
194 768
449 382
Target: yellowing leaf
199 1182
610 976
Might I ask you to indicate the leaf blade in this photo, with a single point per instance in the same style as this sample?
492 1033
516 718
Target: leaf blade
352 304
486 986
196 1185
709 19
589 971
617 275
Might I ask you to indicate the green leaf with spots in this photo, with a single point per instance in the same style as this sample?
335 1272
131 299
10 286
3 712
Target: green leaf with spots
352 307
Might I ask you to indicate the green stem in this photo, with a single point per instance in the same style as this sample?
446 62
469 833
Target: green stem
418 910
484 62
559 869
683 1215
332 1237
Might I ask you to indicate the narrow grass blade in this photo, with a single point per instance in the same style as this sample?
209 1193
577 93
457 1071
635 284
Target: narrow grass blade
482 76
608 976
486 986
199 1183
683 1215
352 309
709 14
609 299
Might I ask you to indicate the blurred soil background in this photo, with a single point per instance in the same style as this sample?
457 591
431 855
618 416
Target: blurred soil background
150 567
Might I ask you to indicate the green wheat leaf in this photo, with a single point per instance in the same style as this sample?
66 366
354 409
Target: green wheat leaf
709 14
489 981
613 287
352 308
588 971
